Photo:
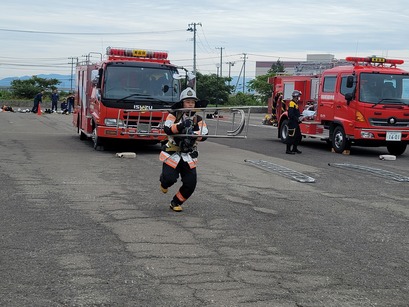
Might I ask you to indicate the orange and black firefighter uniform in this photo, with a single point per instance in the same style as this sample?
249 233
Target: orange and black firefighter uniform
179 154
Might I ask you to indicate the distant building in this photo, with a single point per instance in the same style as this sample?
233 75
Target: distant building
314 65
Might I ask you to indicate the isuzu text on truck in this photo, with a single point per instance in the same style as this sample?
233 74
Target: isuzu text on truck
364 104
111 94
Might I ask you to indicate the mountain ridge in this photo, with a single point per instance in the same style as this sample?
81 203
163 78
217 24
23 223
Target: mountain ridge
64 79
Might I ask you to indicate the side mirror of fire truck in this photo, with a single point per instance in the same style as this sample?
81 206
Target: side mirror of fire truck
350 84
190 76
177 76
95 81
350 81
94 77
349 97
100 71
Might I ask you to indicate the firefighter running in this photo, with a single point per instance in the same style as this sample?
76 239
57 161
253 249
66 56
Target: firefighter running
179 154
294 133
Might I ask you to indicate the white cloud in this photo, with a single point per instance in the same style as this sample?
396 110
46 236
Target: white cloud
265 30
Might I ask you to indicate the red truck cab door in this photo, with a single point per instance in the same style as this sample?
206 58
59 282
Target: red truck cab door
326 98
344 111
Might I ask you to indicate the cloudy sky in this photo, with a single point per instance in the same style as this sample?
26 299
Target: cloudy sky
41 36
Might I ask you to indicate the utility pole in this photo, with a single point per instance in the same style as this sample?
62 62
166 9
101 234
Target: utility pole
86 58
221 61
192 28
244 72
230 65
72 70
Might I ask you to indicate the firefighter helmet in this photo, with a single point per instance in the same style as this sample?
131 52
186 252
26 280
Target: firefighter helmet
296 93
188 93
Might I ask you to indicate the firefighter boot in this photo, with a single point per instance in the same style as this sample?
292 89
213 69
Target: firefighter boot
288 151
164 190
175 206
295 150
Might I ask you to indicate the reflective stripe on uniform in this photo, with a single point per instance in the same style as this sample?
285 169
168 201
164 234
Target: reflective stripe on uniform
193 163
180 197
189 160
171 160
174 128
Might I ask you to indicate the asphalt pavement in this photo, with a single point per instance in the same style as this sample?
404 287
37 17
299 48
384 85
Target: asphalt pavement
81 227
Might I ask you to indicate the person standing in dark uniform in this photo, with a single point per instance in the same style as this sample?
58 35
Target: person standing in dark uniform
179 154
37 100
294 132
54 100
70 103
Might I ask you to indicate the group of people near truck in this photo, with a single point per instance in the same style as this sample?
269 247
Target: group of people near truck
67 107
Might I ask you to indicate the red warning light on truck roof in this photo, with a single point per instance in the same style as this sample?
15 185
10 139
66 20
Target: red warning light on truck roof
375 60
137 53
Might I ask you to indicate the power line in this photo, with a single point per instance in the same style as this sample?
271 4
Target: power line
86 33
34 65
209 50
31 58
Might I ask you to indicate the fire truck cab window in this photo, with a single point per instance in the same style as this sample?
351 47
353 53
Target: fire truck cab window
370 86
122 81
344 89
388 90
329 84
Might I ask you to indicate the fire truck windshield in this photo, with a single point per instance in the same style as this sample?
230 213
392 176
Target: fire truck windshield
384 88
130 83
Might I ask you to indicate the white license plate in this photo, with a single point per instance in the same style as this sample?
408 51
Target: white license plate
142 127
393 136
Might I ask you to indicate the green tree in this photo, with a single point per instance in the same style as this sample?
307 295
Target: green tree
29 88
260 83
4 94
276 68
213 88
262 87
241 99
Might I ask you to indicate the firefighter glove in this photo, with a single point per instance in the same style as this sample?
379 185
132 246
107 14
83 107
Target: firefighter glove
194 154
187 123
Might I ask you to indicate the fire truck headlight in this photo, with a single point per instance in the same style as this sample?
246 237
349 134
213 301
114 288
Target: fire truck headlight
113 122
367 135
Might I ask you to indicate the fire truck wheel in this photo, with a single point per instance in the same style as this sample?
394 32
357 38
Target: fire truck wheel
396 149
97 140
284 131
339 140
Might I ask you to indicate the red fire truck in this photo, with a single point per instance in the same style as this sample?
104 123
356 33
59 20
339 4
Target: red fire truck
111 94
365 103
